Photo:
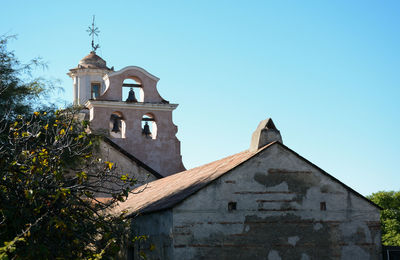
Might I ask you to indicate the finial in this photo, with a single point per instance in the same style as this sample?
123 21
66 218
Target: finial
93 31
265 133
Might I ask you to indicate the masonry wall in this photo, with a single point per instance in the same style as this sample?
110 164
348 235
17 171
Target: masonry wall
279 215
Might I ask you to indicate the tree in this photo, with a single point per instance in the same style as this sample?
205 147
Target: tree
390 216
51 179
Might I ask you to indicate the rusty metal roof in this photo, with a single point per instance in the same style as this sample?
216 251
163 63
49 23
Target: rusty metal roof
166 192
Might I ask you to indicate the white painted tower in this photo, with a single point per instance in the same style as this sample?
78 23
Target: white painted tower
87 78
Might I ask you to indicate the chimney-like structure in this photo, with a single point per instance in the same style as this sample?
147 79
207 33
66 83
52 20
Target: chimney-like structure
265 133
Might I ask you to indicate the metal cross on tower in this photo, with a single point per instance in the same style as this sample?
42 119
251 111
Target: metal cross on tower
93 31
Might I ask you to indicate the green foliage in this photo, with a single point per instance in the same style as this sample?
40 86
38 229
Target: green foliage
51 179
390 216
50 183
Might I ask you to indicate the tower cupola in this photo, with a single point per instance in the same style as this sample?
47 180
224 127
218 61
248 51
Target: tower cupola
92 61
87 78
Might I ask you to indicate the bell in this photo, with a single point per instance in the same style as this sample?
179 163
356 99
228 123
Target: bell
146 130
131 96
115 128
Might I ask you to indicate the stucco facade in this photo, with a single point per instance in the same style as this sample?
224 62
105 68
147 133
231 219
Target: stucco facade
286 208
161 153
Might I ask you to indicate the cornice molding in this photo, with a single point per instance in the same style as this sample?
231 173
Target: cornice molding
124 105
81 72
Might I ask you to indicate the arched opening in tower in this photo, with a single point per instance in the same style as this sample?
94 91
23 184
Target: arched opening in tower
132 90
149 126
117 125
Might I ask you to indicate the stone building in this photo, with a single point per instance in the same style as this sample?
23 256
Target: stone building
267 202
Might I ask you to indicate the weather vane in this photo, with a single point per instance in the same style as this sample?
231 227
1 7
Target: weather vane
93 31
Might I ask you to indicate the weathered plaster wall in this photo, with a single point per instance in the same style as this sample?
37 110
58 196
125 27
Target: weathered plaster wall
158 228
278 215
163 154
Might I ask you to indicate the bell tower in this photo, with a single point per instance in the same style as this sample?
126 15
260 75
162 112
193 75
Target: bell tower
142 125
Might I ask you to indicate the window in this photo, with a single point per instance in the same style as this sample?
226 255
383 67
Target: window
322 206
95 90
232 206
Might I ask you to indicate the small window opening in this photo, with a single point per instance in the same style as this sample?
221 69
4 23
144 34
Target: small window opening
95 90
232 206
149 126
117 125
322 206
132 91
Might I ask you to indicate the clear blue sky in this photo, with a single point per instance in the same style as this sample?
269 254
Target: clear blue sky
327 72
